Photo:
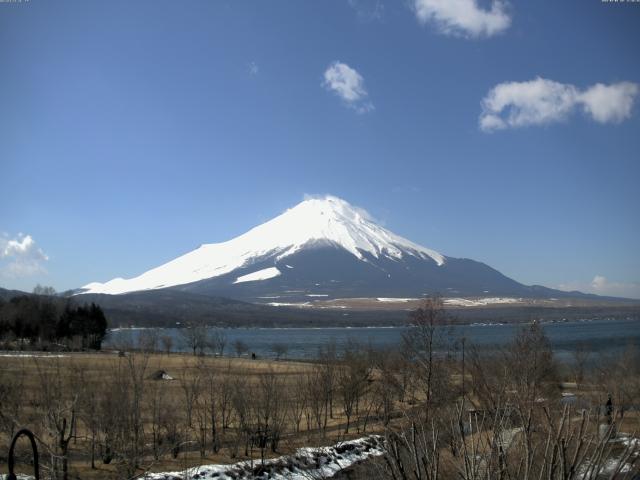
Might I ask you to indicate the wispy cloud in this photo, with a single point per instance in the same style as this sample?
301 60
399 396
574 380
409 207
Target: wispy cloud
332 198
368 10
252 68
348 84
464 17
600 285
541 101
20 256
406 189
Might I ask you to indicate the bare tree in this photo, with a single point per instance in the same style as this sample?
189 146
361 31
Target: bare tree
44 291
167 343
279 349
619 377
194 337
88 411
299 398
352 379
225 395
240 403
580 358
12 383
148 340
136 368
212 402
267 413
190 384
480 445
162 424
122 403
240 347
328 359
316 393
390 386
490 379
425 337
218 341
202 408
60 402
532 368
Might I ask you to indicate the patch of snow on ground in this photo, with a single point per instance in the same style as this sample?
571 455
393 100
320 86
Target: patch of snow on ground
306 463
30 355
317 295
612 467
263 274
478 302
393 300
284 304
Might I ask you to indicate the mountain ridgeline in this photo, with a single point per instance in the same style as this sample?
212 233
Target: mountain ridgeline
322 248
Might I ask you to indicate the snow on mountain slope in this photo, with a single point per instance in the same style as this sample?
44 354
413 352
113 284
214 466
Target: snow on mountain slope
317 221
263 274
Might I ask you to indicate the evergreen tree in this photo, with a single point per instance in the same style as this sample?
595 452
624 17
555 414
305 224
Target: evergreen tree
44 319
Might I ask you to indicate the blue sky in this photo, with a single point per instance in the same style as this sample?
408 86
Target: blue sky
133 132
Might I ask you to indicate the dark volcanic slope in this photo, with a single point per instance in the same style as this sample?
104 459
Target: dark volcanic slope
335 273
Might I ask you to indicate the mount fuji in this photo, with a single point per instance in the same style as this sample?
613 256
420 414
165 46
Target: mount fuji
323 248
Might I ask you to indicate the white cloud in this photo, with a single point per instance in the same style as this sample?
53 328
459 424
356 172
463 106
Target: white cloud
541 101
348 84
20 256
526 103
609 103
600 285
464 17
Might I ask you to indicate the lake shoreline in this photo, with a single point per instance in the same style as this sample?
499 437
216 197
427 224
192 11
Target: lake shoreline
303 343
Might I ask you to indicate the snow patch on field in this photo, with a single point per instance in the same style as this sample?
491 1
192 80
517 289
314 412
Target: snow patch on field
285 304
306 463
396 300
615 467
478 302
31 355
263 274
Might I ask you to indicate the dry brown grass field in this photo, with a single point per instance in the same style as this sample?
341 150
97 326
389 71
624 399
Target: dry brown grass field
82 382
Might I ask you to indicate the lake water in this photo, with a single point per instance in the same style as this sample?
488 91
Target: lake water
599 336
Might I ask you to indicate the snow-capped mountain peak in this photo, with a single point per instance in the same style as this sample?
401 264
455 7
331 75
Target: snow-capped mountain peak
335 220
313 222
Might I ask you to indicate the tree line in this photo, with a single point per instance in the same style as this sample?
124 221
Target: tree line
44 321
